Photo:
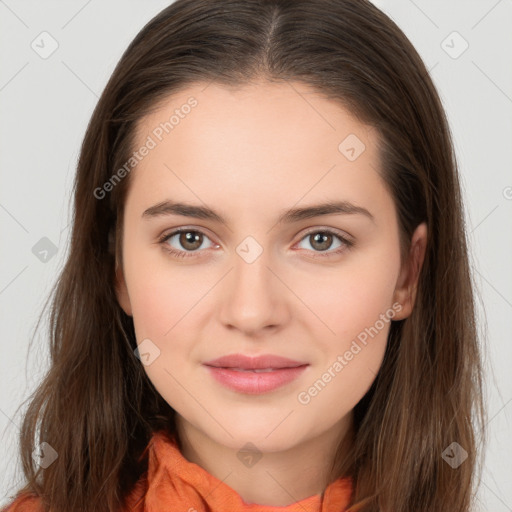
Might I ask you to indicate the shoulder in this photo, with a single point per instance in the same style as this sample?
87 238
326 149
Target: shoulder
25 502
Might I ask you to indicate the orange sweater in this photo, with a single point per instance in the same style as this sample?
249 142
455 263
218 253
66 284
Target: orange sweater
173 484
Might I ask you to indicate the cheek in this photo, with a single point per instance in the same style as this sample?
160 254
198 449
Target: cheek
160 294
163 312
356 304
158 303
358 309
351 298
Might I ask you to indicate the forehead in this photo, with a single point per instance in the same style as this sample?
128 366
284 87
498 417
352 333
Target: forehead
255 112
255 144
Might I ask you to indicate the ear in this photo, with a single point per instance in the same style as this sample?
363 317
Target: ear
407 283
122 291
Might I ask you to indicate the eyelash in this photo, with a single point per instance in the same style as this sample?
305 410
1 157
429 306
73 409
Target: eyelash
347 244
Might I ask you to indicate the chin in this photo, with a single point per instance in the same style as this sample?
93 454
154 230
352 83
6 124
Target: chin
266 438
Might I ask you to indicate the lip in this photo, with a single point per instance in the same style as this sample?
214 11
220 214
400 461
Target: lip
251 363
236 372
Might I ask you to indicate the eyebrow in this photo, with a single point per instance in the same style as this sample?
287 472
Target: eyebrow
289 216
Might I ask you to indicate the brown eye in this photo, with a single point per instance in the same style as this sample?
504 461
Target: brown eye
183 242
190 240
321 241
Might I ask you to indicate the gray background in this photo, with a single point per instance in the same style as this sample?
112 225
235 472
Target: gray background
46 104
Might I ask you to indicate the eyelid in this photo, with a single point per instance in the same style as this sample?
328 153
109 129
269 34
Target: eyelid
205 231
181 229
345 238
342 234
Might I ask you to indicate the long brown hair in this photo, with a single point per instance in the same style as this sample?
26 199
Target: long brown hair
97 408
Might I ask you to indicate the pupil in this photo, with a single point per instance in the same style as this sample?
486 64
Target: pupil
190 237
325 245
193 238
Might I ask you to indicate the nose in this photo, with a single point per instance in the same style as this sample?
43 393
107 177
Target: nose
254 299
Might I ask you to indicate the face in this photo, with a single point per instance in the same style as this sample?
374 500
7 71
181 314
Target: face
319 288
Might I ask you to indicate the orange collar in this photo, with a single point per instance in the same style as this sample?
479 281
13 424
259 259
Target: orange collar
172 483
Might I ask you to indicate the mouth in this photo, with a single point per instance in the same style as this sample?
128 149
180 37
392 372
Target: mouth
255 370
261 363
255 382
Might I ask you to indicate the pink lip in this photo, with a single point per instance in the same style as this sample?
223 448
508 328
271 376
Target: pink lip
283 371
251 363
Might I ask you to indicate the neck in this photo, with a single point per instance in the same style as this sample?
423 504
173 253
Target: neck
278 478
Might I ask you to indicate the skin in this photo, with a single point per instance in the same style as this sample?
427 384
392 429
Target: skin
250 153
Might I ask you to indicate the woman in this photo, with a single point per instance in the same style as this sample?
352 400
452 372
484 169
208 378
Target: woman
261 366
